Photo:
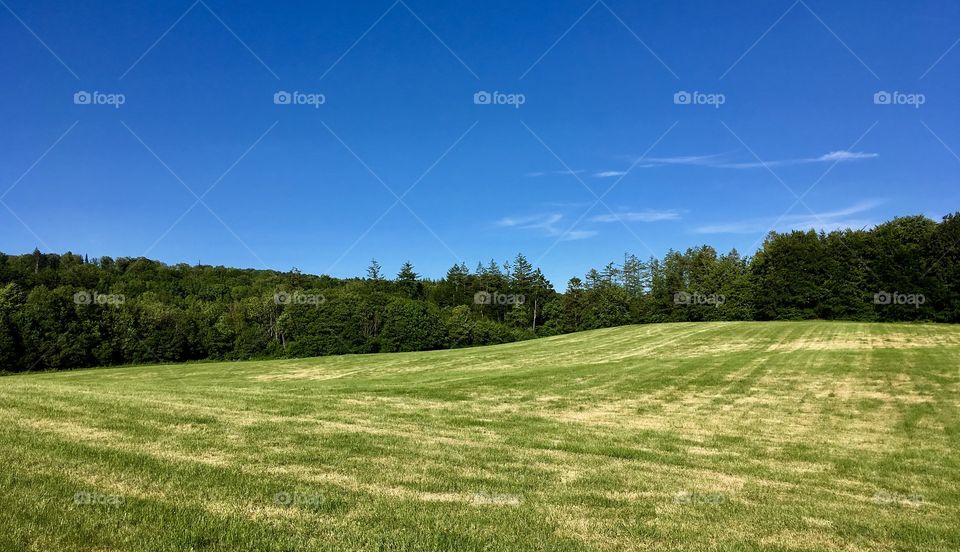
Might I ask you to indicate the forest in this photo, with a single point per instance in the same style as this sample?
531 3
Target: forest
69 311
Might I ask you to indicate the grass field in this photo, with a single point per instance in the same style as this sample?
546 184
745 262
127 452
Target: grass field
722 436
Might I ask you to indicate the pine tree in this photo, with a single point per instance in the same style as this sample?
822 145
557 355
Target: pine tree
611 274
457 279
408 281
594 279
633 275
406 273
540 289
573 306
374 271
522 273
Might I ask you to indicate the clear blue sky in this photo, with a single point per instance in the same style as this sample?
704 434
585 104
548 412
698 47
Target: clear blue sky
299 185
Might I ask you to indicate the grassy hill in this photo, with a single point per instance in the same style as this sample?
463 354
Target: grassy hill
773 436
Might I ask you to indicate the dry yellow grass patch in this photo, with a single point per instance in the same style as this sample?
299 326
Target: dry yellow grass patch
64 428
866 341
309 474
809 540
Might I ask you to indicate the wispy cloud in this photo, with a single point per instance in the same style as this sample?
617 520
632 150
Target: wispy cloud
846 156
648 162
570 172
832 157
841 219
548 224
638 216
609 174
721 161
555 224
698 160
531 221
579 235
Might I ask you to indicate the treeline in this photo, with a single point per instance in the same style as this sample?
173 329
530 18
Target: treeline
66 311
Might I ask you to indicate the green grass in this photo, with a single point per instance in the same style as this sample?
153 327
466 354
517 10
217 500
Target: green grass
710 436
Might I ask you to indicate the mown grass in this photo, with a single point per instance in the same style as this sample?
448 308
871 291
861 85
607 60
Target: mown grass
712 436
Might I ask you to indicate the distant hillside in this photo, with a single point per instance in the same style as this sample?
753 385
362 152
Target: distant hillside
66 311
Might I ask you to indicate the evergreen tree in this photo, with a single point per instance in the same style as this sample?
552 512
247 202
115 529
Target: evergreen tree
408 281
522 273
633 275
406 273
374 271
456 280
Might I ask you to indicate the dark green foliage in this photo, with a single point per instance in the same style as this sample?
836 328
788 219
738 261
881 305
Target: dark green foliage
411 326
459 326
65 311
607 305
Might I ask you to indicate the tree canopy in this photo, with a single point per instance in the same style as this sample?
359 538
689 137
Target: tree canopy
67 311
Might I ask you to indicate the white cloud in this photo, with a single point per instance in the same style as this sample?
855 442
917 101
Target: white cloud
531 221
570 172
579 235
609 174
846 156
556 225
548 224
637 216
699 160
720 160
832 157
828 221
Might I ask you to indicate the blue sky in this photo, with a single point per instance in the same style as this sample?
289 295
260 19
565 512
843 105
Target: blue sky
200 164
